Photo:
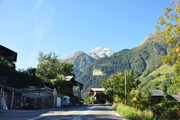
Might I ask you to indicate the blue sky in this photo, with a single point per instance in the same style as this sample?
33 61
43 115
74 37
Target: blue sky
67 26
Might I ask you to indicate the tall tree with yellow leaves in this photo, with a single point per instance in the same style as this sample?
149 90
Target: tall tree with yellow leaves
169 25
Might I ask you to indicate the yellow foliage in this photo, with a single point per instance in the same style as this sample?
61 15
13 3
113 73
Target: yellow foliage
134 99
177 9
167 31
157 28
178 50
169 40
178 29
166 59
161 20
177 19
168 10
169 25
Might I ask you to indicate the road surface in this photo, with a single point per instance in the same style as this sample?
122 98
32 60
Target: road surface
85 112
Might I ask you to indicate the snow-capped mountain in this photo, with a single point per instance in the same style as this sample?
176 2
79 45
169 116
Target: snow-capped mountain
101 52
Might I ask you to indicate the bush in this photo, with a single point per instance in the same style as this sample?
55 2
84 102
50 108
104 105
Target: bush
167 110
138 100
132 113
89 100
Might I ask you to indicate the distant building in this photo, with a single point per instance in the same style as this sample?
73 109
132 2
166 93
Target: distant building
100 97
157 96
175 98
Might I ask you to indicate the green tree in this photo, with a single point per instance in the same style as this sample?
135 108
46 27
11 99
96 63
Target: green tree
19 79
130 80
52 71
138 100
169 25
48 67
89 100
24 78
166 111
66 68
6 65
116 84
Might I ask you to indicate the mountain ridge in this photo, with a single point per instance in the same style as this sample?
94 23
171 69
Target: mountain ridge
143 60
81 61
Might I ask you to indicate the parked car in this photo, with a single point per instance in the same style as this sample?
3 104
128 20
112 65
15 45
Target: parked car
66 100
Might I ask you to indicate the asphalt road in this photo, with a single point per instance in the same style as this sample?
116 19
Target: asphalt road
85 112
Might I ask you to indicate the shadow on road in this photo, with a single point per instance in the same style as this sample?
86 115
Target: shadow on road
80 113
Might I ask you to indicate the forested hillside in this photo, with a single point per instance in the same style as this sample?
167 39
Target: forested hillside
81 61
143 60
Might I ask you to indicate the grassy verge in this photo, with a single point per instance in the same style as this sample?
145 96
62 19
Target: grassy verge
132 113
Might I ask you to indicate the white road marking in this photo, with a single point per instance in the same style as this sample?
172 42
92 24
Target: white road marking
36 118
80 117
117 114
44 115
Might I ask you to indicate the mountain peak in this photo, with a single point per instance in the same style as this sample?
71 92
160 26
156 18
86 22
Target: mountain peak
100 52
81 61
149 36
76 54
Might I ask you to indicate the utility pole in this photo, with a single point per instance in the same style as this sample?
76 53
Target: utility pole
125 87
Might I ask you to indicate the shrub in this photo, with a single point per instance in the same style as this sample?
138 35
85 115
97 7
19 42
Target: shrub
138 100
167 110
132 113
89 100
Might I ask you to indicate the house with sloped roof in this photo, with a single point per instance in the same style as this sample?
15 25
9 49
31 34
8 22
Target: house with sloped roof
157 96
8 54
100 97
10 97
37 98
73 90
175 98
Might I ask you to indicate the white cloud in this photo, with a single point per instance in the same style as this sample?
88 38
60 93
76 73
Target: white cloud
38 5
39 32
33 55
42 16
